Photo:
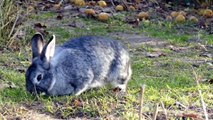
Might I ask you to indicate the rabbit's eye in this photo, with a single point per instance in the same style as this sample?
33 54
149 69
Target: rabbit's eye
39 77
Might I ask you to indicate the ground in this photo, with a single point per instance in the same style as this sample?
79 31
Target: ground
168 58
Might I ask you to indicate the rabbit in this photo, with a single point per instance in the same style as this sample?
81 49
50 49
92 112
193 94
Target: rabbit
77 65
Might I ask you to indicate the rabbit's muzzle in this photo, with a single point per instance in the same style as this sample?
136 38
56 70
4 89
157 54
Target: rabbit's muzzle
37 90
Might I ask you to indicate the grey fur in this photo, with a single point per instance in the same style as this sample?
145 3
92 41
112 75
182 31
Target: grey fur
78 65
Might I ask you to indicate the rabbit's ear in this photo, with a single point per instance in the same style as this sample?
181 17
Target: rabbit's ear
37 44
48 50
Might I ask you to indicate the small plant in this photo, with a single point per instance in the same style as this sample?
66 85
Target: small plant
8 18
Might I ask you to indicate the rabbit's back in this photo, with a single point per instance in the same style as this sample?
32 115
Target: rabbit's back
106 58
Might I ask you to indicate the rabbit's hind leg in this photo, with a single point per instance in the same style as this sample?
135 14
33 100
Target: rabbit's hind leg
82 86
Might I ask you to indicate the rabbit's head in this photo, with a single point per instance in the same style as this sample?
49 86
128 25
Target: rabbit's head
39 76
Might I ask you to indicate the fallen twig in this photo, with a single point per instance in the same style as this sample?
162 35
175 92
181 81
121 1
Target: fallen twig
164 110
201 97
2 117
180 105
11 40
155 112
61 1
125 3
36 93
203 47
141 102
112 3
147 116
13 27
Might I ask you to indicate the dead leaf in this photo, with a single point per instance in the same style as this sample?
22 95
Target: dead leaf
176 49
180 105
51 1
190 115
44 5
203 47
107 10
40 28
131 19
3 86
91 3
59 17
77 103
57 6
206 54
210 81
202 24
7 84
154 55
81 10
76 24
117 89
30 8
68 7
39 25
20 69
21 34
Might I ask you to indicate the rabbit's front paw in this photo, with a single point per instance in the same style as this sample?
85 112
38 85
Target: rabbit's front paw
119 91
80 90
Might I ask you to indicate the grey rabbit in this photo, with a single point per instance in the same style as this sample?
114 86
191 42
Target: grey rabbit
77 65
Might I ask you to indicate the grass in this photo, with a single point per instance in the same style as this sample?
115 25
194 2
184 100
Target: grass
168 78
45 15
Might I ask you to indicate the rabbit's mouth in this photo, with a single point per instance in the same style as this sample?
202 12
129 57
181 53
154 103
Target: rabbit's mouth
39 90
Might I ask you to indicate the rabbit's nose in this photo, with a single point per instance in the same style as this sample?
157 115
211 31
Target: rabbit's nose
40 89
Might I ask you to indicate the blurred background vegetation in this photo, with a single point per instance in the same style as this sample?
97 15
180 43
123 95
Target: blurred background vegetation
192 3
10 23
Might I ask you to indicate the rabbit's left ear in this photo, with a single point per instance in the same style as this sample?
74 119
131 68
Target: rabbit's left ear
37 44
48 50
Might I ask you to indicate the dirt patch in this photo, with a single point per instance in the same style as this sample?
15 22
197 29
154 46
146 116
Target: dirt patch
136 40
23 113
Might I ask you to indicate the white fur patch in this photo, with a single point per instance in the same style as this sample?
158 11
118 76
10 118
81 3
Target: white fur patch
122 87
96 84
51 85
35 81
50 49
81 91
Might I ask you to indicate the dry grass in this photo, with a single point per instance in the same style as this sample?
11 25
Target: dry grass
8 19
